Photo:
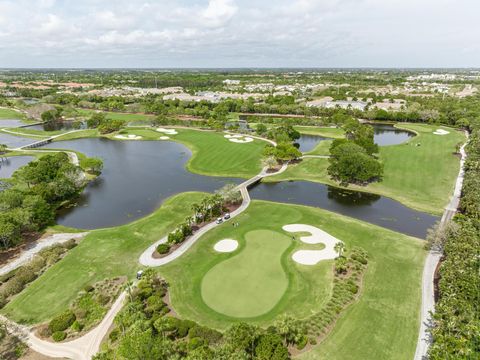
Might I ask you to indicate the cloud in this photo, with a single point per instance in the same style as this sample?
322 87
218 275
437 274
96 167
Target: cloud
238 33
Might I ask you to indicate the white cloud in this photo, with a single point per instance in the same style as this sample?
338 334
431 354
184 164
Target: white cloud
239 33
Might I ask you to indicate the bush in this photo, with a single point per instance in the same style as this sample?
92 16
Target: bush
163 248
195 343
59 336
62 322
211 336
77 326
302 343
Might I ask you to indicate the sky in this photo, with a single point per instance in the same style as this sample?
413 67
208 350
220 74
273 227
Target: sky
239 33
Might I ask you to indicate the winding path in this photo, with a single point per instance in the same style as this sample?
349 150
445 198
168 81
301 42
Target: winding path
431 264
147 258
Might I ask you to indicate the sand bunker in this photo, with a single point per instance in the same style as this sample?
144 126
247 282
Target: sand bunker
441 132
167 131
238 138
313 257
234 136
242 141
164 138
226 245
128 137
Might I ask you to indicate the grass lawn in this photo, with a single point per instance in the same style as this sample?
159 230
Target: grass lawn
10 114
251 283
421 177
334 133
212 153
117 115
383 323
102 254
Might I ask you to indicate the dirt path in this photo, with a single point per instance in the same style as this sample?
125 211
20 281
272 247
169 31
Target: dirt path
37 246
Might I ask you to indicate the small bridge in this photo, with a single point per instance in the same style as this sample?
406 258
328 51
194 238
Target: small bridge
37 143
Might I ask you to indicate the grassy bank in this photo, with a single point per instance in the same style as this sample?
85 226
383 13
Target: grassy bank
102 254
420 176
384 322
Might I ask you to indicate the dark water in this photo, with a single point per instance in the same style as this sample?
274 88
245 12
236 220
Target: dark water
10 164
61 125
386 134
11 123
308 142
13 141
368 207
137 177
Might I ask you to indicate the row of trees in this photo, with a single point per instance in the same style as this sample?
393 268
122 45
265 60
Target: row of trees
353 159
208 209
456 330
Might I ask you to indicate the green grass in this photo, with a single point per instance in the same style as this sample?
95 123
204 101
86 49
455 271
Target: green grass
118 116
212 153
421 177
10 114
102 254
334 133
383 322
252 282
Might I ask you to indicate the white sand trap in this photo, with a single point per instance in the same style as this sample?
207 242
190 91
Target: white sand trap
242 141
167 131
164 138
313 257
226 245
234 136
441 132
128 137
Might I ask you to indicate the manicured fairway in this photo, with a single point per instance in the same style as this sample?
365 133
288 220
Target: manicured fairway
102 254
119 116
252 282
422 177
212 153
334 133
383 324
10 114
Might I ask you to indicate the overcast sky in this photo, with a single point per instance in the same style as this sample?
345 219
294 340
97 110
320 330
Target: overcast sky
240 33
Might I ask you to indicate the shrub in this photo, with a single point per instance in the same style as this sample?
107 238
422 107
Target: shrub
70 244
163 248
302 343
77 326
211 336
195 343
62 321
59 336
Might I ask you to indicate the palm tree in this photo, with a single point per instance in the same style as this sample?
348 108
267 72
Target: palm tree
269 162
339 248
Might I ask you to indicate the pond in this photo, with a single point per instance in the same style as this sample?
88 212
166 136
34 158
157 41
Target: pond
387 134
368 207
13 141
10 164
309 142
137 177
61 125
11 123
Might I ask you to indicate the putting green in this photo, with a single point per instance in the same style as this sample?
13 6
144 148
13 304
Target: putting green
252 282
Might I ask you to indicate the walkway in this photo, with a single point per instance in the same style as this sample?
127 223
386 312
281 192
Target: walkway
36 247
147 258
431 264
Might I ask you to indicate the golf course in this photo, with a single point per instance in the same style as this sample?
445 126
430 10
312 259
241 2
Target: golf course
354 287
